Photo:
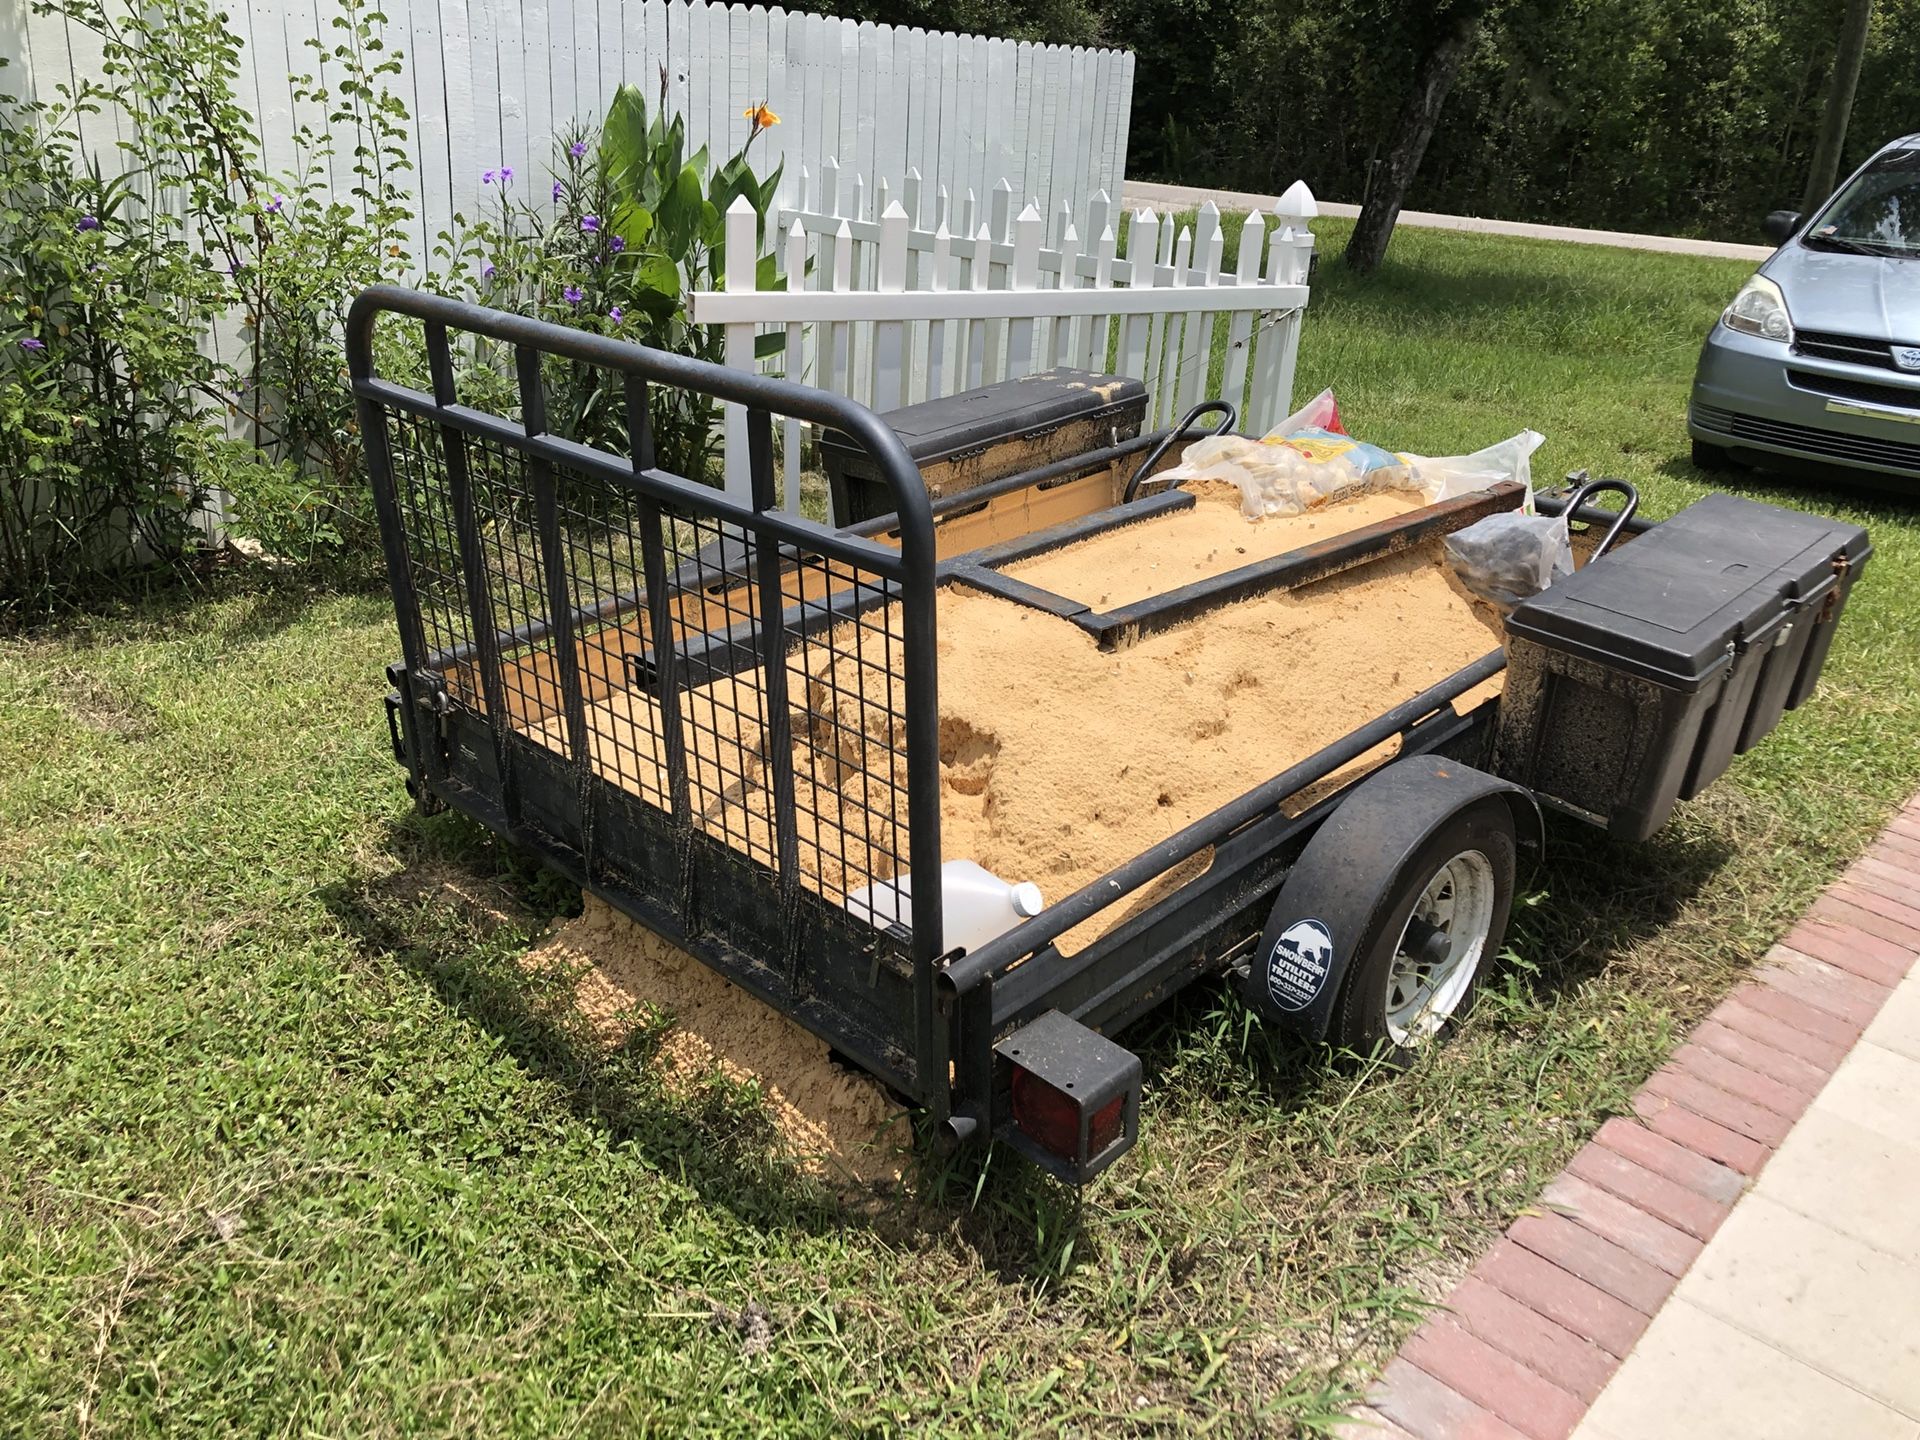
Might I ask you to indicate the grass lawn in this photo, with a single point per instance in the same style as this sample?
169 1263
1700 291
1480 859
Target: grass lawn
288 1145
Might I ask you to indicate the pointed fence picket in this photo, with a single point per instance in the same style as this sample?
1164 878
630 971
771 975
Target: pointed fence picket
884 300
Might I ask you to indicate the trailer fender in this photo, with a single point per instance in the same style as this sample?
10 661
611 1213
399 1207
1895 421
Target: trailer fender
1331 897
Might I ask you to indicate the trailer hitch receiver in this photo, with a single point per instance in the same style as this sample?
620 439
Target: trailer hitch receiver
1074 1097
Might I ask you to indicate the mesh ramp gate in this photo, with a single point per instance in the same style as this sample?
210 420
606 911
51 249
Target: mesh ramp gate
721 717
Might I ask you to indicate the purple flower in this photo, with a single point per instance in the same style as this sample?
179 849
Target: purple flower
616 244
577 149
32 344
614 314
572 294
556 189
279 204
489 177
88 222
506 173
590 223
486 271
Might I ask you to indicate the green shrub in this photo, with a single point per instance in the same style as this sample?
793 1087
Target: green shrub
111 426
630 225
117 416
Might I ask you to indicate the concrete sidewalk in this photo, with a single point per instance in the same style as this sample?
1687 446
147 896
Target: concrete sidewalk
1802 1316
1741 1258
1143 194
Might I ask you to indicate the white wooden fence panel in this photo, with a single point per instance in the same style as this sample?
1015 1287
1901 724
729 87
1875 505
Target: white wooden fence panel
493 83
894 312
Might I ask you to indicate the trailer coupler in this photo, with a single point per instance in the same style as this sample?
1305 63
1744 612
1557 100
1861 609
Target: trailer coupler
1074 1097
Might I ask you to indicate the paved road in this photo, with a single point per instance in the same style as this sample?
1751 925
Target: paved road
1139 194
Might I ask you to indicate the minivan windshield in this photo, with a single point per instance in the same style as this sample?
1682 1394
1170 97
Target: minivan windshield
1878 213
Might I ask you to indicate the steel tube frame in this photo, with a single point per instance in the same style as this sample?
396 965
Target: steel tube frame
911 567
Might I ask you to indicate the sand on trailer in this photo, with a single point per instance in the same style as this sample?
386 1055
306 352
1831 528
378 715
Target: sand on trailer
836 1124
1155 556
1060 761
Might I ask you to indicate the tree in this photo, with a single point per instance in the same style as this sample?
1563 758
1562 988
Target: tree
1450 38
1849 50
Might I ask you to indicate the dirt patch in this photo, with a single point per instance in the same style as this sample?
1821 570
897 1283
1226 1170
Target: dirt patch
1164 553
100 707
839 1125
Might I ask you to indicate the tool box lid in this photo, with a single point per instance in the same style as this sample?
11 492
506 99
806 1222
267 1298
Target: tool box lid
935 429
1678 603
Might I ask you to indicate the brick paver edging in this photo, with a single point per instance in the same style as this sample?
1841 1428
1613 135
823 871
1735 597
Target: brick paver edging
1528 1340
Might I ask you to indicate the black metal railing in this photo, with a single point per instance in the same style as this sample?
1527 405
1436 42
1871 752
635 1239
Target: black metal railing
588 630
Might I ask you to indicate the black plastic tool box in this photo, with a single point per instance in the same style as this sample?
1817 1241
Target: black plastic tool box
979 436
1632 683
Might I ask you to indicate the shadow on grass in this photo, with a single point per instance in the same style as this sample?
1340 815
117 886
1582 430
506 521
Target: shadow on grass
1602 897
1808 486
461 913
190 600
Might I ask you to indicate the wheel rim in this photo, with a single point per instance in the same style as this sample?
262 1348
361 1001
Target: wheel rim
1440 948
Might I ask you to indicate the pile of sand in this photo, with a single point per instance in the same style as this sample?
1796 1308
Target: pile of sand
837 1124
1162 554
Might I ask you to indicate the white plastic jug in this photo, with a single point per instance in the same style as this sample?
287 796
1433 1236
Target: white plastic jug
976 904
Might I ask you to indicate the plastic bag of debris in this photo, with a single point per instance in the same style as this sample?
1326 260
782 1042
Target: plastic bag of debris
1506 558
1308 459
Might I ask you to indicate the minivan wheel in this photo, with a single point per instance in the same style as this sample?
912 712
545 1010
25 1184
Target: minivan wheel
1714 459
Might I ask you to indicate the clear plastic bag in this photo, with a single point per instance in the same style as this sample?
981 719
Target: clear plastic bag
1506 558
1453 475
1308 459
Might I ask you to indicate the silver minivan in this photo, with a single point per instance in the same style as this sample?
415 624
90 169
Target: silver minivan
1818 357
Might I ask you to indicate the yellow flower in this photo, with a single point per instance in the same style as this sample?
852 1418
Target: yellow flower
761 115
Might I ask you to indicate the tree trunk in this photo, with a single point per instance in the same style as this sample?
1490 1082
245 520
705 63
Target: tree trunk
1393 176
1849 51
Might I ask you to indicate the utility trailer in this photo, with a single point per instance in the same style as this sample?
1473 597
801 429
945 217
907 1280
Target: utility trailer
725 720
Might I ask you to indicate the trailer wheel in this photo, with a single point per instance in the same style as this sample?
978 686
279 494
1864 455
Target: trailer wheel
1438 921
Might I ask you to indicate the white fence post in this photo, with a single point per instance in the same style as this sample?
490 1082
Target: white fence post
743 257
889 367
796 364
1028 231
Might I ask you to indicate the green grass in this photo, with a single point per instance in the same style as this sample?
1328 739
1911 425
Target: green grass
289 1145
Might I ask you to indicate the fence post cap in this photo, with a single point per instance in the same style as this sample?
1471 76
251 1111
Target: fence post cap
1297 200
894 211
741 205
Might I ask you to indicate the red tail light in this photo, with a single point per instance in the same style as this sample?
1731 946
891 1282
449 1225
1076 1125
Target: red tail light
1051 1117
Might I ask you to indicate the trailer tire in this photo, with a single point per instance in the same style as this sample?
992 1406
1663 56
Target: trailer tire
1437 923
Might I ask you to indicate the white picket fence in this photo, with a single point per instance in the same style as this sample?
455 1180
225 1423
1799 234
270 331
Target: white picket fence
494 82
937 296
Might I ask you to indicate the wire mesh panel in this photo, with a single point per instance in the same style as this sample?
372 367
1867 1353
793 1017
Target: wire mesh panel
721 715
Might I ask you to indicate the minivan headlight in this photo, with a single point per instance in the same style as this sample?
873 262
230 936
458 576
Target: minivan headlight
1760 309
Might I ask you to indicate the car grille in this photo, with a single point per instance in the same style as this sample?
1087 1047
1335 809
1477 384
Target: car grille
1854 349
1860 449
1710 417
1842 388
